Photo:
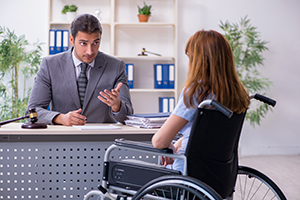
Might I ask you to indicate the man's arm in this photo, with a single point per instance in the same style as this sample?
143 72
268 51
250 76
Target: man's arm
40 96
118 98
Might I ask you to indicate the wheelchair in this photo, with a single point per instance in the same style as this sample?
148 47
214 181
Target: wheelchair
211 170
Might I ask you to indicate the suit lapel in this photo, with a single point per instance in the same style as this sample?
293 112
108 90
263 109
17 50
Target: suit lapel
95 76
68 71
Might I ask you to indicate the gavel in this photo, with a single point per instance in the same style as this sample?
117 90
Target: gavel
144 51
33 119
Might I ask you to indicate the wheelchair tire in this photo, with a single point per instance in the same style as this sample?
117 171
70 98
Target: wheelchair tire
252 184
176 187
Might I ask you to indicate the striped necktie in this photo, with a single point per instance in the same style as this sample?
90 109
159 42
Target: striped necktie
82 82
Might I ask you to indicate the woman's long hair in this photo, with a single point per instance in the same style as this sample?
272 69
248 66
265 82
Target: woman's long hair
212 72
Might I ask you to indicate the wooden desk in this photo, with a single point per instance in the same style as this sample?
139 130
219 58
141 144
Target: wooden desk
58 162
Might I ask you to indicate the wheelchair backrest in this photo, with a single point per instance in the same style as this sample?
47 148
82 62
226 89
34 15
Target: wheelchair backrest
212 149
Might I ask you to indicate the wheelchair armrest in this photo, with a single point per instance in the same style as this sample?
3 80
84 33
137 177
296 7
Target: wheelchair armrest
141 146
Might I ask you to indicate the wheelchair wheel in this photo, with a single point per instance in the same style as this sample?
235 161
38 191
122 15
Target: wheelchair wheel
252 184
176 187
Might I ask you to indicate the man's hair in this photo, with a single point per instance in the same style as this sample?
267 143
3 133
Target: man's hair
85 23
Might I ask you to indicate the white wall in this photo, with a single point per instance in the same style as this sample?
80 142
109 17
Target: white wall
278 22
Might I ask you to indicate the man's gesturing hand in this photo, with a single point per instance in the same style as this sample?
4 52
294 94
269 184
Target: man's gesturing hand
111 98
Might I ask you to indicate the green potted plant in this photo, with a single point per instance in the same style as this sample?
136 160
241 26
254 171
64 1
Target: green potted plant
247 48
70 10
15 62
144 13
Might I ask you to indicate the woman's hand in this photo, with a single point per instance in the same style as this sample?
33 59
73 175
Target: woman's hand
166 160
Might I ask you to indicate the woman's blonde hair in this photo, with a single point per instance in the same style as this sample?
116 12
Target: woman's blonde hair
212 72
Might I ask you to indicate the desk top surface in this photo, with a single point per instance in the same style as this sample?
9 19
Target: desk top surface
15 129
57 133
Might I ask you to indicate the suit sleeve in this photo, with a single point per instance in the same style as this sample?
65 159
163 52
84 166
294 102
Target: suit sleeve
41 94
126 105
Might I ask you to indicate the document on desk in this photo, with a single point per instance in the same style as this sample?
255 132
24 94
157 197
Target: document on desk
97 127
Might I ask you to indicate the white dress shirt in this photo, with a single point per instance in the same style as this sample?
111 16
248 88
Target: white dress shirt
78 68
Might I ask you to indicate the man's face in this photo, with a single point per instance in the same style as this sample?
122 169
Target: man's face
86 46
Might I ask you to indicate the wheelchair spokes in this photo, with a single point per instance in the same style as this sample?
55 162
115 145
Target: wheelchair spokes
251 184
176 188
172 192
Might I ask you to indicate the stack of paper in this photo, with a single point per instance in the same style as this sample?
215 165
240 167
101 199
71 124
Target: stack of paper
154 120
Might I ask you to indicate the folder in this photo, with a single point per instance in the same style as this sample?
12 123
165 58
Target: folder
171 104
148 120
65 40
51 41
150 115
58 41
129 72
163 104
165 76
171 76
158 76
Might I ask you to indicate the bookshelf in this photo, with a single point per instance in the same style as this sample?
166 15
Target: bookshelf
124 37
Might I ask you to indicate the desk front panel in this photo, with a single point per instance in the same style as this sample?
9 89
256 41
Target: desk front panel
57 166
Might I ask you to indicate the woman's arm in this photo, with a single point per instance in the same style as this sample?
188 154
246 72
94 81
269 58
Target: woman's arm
164 136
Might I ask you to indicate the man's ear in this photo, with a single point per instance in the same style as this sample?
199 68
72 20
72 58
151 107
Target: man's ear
72 40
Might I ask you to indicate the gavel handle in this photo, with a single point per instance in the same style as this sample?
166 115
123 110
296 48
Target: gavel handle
13 120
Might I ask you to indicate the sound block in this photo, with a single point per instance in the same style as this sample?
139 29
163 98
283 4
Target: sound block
34 125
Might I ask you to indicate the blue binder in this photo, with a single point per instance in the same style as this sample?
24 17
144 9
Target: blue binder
58 41
165 76
52 42
166 104
171 76
65 40
163 104
129 71
158 76
171 104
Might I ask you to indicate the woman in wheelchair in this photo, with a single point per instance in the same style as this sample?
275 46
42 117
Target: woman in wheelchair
209 166
211 75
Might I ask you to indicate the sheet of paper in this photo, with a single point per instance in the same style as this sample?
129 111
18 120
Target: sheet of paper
95 127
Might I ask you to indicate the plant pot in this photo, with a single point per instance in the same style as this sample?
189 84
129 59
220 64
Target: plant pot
143 18
71 16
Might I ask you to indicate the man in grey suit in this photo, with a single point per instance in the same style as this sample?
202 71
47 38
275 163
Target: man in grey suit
102 97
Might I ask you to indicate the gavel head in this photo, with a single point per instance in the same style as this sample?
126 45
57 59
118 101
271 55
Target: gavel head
33 115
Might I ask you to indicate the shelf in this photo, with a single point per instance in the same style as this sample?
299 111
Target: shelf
137 24
146 58
69 23
152 90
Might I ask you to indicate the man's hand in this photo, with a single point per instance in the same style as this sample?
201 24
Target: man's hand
71 118
111 98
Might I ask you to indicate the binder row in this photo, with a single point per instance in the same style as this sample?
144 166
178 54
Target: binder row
166 104
58 41
164 75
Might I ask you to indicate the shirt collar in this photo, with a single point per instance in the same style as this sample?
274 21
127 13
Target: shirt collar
78 62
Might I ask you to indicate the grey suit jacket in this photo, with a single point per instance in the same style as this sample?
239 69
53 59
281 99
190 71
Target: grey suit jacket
56 82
